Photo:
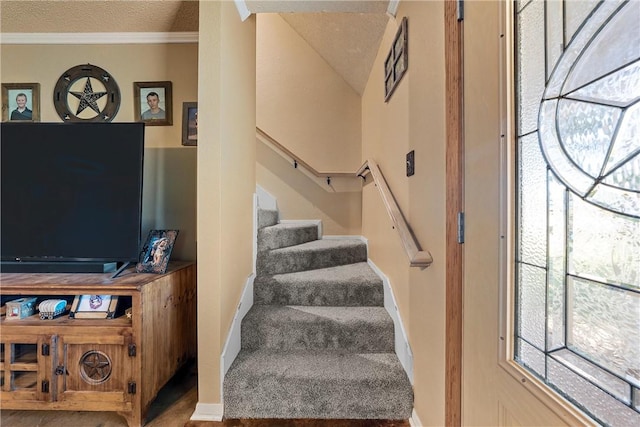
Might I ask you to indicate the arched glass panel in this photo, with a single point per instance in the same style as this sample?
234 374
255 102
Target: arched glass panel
578 202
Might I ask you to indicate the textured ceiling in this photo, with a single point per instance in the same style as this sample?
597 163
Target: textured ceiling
347 38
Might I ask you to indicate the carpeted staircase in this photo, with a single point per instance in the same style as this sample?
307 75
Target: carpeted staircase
317 342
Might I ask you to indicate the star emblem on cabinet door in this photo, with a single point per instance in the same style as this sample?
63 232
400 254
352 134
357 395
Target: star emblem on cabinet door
95 367
86 93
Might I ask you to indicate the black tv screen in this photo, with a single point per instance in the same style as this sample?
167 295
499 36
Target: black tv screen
71 192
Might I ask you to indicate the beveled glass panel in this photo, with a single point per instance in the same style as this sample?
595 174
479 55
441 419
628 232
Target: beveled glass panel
533 202
618 200
627 140
531 357
556 157
555 36
597 402
619 89
616 45
531 304
604 326
586 131
531 73
610 383
576 12
626 176
603 245
575 47
556 274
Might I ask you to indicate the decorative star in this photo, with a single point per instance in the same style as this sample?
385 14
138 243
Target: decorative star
96 366
88 98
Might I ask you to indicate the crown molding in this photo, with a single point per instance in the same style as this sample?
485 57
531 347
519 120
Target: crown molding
99 38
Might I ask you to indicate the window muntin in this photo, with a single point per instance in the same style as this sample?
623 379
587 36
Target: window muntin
578 202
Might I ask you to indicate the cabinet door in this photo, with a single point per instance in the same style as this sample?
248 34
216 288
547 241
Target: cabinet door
95 371
23 368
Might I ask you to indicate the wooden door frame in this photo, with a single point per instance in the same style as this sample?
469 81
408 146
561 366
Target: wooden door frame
453 45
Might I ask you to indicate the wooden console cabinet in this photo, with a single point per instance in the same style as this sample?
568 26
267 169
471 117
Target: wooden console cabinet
116 364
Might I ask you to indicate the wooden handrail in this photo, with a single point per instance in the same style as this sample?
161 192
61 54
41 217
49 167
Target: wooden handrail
299 161
417 257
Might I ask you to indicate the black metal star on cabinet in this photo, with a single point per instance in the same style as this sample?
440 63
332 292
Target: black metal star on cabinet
88 98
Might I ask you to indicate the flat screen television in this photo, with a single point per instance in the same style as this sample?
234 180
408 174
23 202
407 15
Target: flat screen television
71 196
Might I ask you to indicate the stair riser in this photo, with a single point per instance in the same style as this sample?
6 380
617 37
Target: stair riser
269 263
259 333
339 295
267 218
305 399
274 238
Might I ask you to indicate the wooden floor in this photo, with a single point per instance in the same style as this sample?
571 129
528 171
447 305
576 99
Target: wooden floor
173 407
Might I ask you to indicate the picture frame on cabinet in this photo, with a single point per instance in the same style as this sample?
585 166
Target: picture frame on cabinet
155 254
153 103
21 102
189 123
94 307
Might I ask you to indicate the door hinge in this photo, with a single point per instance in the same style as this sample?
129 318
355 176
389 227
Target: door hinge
460 10
45 386
132 350
131 387
460 227
45 349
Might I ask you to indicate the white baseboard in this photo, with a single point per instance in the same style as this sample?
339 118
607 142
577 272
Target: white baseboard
208 412
265 199
414 421
403 350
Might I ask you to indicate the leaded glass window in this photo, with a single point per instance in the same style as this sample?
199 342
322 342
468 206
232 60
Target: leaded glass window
578 202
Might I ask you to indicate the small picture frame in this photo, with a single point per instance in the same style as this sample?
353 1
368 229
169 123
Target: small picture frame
94 307
189 123
21 102
156 251
153 103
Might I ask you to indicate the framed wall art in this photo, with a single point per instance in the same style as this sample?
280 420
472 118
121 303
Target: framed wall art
397 60
21 102
153 103
156 252
94 307
189 123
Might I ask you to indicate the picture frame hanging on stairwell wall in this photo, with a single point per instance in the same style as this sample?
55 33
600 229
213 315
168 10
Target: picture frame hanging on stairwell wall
397 61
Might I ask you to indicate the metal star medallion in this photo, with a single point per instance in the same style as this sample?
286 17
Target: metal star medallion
88 98
95 367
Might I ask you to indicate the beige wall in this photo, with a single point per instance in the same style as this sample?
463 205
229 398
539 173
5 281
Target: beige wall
302 102
226 179
301 198
413 119
169 194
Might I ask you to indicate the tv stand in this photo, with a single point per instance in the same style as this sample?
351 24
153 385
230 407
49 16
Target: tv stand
57 267
51 364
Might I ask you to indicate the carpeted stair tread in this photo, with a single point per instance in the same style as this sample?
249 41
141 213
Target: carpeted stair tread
286 234
316 384
345 285
355 329
311 255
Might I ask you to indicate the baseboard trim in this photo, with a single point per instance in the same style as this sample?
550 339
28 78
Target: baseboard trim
402 347
414 421
208 412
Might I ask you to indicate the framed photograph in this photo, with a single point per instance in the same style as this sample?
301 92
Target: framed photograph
153 103
94 307
156 252
21 101
189 123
